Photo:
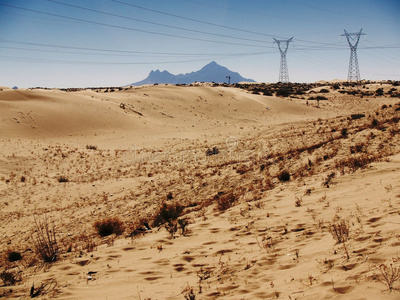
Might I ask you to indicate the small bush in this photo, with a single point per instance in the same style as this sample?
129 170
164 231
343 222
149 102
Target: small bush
282 93
344 132
267 93
284 176
242 169
379 92
91 147
340 231
109 226
324 91
10 277
167 212
172 227
62 179
374 123
225 200
357 116
317 98
183 225
213 151
358 148
352 93
14 256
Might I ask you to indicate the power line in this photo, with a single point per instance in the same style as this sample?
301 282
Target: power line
154 23
85 62
191 19
76 62
212 24
122 52
127 28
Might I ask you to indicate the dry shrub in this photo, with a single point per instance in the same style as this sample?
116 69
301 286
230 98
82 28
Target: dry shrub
357 116
167 212
87 243
357 162
44 241
183 225
91 147
10 277
340 231
389 274
328 179
62 179
358 148
43 288
188 293
242 169
284 176
109 226
225 200
266 243
298 202
172 227
13 256
374 123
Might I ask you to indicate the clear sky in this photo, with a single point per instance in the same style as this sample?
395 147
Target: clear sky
74 43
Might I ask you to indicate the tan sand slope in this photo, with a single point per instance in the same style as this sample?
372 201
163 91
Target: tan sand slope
160 111
251 234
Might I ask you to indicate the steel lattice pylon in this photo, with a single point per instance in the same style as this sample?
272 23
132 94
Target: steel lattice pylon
353 39
283 69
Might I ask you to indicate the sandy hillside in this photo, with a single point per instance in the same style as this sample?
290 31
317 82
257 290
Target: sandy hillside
301 200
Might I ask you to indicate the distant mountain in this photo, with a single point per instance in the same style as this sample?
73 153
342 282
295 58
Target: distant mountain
212 72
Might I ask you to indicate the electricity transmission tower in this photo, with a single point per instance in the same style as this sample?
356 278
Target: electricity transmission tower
353 39
283 69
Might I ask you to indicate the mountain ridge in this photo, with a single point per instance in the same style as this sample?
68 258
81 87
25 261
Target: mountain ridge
211 72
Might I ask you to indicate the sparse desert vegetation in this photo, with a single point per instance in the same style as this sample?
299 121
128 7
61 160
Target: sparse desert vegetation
299 198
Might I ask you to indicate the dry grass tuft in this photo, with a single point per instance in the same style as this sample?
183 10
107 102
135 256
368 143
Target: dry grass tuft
340 231
45 242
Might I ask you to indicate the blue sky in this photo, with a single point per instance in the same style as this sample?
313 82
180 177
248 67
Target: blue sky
73 43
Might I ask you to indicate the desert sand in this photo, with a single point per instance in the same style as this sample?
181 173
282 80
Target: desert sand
238 228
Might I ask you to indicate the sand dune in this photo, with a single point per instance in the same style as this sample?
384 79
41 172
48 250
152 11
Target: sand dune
157 111
74 158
